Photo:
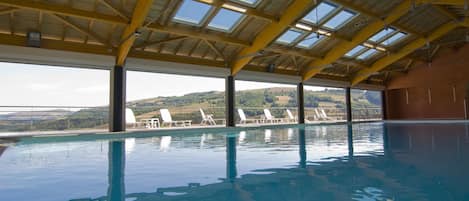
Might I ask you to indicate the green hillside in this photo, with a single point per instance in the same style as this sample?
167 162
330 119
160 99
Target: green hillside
187 107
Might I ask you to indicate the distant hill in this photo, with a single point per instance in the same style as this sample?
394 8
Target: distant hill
187 107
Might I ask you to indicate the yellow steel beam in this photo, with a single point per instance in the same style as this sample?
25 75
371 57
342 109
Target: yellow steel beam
268 34
62 10
409 48
343 47
128 37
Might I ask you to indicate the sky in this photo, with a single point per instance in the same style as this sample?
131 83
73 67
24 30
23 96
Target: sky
38 85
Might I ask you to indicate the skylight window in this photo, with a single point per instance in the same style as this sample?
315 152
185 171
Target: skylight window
192 12
289 36
320 12
382 34
339 19
310 40
355 51
225 20
396 37
251 3
367 54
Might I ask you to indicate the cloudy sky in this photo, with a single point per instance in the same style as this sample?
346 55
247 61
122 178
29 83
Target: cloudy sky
34 85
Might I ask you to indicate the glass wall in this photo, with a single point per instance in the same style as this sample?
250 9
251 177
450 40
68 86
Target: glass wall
156 100
324 104
265 103
366 105
47 98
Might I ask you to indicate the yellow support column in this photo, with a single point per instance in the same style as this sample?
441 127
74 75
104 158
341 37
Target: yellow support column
140 13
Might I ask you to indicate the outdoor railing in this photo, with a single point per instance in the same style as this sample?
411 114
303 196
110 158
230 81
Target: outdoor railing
48 118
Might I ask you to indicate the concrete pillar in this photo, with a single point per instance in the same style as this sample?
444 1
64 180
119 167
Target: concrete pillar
348 104
116 169
231 171
301 103
117 99
384 105
302 144
230 101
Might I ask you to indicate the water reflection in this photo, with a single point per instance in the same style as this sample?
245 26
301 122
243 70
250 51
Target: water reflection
366 162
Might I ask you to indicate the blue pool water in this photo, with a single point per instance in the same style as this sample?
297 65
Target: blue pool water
372 161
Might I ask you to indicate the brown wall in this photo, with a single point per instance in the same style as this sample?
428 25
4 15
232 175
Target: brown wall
449 70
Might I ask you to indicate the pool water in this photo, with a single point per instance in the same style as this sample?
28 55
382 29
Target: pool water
368 161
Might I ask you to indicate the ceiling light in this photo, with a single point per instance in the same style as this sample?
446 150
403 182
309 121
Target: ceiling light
207 1
323 32
235 8
368 45
381 48
304 27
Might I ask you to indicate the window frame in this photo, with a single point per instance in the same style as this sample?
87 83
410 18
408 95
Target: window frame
201 22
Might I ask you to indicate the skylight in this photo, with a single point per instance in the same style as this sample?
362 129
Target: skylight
382 34
320 12
225 20
192 12
251 3
367 54
310 40
396 37
289 36
355 51
339 19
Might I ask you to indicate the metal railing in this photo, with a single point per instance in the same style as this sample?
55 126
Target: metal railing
47 118
56 118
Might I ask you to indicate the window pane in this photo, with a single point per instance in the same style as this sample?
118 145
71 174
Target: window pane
225 19
339 19
318 13
248 2
382 34
355 50
192 12
311 40
393 39
367 54
289 36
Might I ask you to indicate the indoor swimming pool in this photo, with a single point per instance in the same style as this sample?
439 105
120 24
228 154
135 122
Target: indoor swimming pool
366 161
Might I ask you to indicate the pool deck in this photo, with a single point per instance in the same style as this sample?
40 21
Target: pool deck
215 128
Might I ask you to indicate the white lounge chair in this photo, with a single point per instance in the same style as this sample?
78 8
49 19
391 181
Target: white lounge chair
130 118
166 117
269 117
291 118
243 119
318 115
324 115
208 118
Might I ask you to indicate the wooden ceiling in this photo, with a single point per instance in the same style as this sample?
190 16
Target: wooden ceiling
147 29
